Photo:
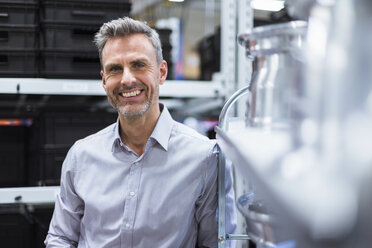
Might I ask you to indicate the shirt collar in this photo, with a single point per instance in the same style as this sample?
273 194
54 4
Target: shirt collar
163 128
116 139
161 132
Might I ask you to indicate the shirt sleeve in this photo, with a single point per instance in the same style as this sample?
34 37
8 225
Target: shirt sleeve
207 204
64 229
207 207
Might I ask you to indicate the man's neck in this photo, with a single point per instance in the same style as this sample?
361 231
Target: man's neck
135 132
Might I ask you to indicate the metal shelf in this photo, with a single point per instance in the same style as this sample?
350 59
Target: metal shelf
29 195
43 86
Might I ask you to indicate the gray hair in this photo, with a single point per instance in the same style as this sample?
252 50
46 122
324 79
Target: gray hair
123 27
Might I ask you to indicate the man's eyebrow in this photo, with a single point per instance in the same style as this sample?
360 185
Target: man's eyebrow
140 60
108 66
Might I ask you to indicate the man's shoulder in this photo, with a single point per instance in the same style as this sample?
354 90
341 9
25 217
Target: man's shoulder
191 135
100 136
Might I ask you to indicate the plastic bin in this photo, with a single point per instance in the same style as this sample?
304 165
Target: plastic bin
15 229
84 11
21 227
66 128
19 12
12 156
19 37
164 36
18 63
53 135
65 64
49 172
69 37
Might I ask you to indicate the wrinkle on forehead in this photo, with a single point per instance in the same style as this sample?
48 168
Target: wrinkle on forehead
134 43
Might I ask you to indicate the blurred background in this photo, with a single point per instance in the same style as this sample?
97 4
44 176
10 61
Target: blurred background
297 133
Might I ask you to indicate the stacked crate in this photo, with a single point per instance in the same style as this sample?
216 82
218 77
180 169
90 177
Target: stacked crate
12 155
164 35
24 227
53 134
19 38
68 28
209 50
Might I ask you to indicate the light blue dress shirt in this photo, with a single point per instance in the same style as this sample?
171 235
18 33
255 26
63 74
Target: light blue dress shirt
111 197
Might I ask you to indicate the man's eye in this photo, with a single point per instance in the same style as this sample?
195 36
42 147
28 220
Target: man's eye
115 69
138 65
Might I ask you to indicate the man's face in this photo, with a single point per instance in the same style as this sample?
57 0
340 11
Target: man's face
131 75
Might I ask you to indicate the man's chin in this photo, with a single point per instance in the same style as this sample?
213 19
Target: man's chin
132 113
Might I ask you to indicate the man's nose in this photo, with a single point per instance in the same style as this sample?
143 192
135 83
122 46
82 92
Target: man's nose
128 77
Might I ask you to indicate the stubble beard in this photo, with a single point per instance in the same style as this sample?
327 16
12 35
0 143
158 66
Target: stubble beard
132 113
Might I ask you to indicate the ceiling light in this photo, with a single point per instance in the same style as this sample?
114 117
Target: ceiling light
178 1
268 5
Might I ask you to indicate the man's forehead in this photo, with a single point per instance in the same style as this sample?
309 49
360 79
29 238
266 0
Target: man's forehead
140 47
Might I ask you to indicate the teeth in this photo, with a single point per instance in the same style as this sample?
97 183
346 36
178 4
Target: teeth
130 94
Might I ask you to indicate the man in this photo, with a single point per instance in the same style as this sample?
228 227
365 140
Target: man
145 181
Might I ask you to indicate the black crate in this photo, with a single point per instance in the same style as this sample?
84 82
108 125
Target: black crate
167 52
66 128
164 36
42 216
19 12
170 75
21 227
64 64
18 63
15 229
69 37
12 168
49 166
53 135
83 11
209 51
18 37
12 156
90 1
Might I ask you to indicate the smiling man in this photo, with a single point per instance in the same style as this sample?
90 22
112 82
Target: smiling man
146 180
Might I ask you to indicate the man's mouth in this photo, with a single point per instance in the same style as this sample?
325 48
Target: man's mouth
131 94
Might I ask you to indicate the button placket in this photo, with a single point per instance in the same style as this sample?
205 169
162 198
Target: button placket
131 201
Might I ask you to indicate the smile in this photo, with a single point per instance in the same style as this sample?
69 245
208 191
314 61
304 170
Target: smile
131 94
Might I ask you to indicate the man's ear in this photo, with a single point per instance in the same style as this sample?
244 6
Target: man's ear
103 80
163 71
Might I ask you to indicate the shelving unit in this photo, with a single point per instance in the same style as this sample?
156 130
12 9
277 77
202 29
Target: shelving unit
42 86
29 195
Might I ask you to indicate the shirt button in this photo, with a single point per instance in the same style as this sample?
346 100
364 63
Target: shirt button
127 225
132 193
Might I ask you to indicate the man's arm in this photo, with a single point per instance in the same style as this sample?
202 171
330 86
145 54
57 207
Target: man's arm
64 229
207 205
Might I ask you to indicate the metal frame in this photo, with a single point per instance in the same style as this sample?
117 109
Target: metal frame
29 195
236 17
171 88
223 124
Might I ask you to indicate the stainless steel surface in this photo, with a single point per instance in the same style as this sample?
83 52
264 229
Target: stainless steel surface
318 172
300 8
338 93
258 219
223 124
276 84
